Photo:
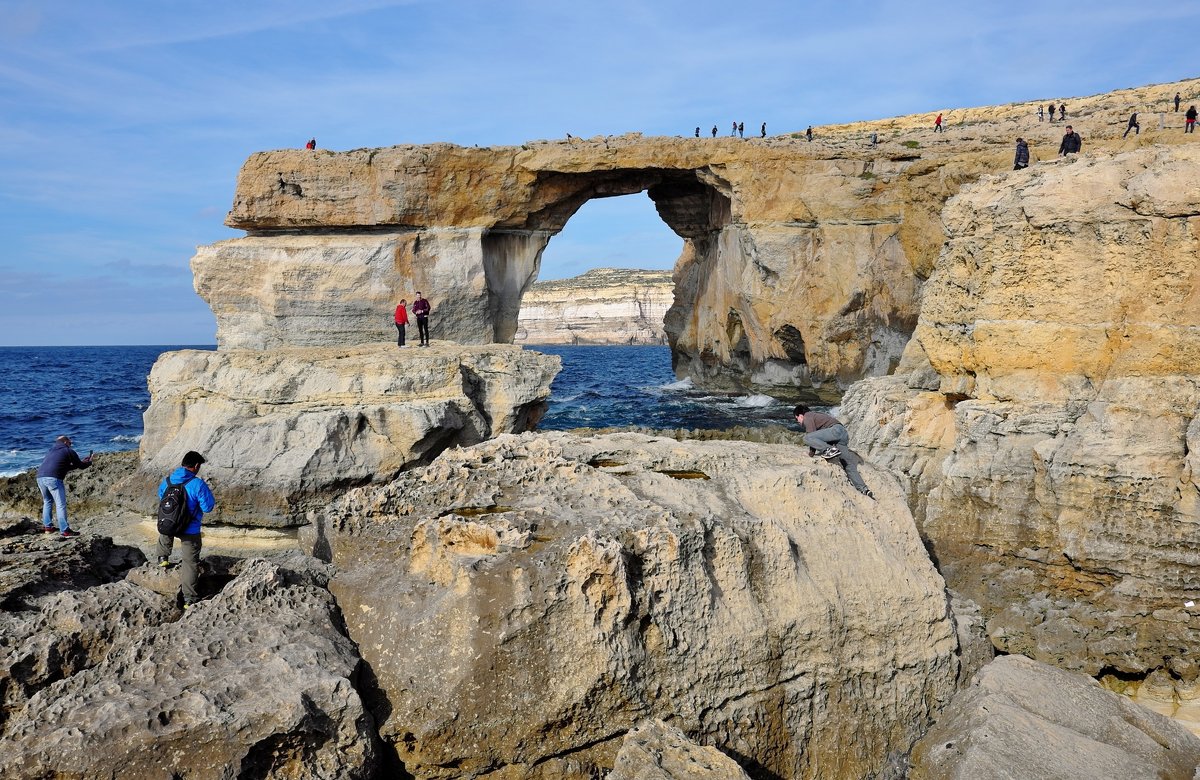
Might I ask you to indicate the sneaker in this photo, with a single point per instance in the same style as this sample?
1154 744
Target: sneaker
48 529
164 563
69 534
832 452
867 492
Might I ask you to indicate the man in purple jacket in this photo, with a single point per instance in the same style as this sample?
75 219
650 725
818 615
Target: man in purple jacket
827 438
58 461
200 500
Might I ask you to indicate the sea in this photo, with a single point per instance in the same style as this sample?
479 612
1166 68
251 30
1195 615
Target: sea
96 395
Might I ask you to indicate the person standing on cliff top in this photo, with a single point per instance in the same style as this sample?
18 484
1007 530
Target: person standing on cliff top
1041 114
808 133
60 460
1189 120
714 131
937 124
420 309
697 131
733 132
1021 160
741 129
764 130
1176 102
312 144
827 438
1062 111
199 500
401 322
1071 143
1133 125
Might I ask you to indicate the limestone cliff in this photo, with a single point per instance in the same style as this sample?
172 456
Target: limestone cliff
802 262
1044 417
602 306
526 602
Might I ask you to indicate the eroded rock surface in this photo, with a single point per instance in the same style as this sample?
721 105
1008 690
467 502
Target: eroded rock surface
286 429
657 751
1044 416
1024 719
524 603
256 682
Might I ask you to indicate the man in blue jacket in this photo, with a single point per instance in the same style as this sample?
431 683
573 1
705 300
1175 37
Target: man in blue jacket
58 461
200 500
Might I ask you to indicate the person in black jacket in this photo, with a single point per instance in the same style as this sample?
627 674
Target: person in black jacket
1071 143
1021 160
1189 120
1133 125
58 461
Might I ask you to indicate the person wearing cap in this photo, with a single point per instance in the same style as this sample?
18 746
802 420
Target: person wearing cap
60 460
200 500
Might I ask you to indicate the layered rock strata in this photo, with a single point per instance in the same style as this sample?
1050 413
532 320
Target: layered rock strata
526 602
602 306
284 430
1044 417
801 264
1020 718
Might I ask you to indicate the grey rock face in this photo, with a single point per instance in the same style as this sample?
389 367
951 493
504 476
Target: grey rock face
524 603
656 751
287 429
256 682
1022 719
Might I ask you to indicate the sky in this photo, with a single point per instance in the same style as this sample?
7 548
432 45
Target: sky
123 124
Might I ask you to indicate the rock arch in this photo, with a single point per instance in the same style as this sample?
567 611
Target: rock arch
796 268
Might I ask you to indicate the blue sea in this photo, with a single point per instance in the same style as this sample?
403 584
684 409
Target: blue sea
96 395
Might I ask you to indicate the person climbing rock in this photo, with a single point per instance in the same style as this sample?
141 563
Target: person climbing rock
827 438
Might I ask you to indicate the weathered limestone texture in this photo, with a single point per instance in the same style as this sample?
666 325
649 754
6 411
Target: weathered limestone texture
286 429
656 751
526 602
1023 719
602 306
1044 415
256 682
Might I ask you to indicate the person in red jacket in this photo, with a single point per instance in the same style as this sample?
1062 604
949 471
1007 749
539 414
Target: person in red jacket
401 321
937 124
421 311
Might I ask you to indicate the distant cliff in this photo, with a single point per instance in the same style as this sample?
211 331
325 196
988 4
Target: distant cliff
603 306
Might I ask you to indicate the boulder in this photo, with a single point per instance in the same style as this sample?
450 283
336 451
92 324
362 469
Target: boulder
1024 719
256 682
657 751
284 430
526 602
1044 416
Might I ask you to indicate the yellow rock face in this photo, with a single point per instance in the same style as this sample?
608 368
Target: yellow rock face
1044 417
802 262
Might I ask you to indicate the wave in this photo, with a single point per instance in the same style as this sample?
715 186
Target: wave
754 401
130 439
7 474
682 384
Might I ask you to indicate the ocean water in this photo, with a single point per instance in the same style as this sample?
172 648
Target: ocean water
96 395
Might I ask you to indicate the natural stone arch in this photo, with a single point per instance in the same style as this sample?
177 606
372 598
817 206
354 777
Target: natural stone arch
695 209
799 267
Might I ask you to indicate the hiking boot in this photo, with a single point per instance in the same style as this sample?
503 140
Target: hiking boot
69 534
832 452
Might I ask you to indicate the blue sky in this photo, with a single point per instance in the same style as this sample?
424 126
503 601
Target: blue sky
123 124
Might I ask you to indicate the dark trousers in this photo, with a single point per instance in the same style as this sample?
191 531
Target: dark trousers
400 335
1136 128
189 571
423 329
